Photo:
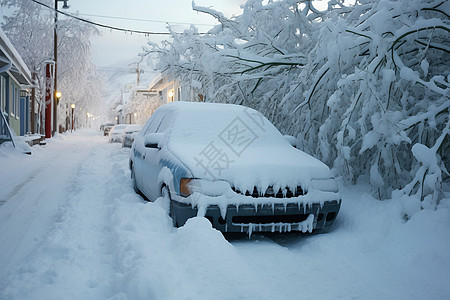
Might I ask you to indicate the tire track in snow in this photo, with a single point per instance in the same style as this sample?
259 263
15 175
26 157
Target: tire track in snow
27 215
19 187
65 248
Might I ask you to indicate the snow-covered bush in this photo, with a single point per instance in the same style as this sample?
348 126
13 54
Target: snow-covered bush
357 85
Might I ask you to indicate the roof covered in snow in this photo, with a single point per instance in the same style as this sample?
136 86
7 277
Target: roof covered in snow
12 61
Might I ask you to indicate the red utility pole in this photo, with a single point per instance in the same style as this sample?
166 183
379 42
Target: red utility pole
49 72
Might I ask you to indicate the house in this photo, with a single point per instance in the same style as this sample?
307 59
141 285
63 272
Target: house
141 105
144 101
15 81
167 90
173 90
119 114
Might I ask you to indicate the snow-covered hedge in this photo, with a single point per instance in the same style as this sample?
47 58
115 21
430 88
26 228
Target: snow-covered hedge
365 87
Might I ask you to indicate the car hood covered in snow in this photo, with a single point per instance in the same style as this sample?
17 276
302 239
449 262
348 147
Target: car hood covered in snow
238 145
260 167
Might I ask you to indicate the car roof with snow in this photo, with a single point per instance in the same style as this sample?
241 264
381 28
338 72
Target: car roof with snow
199 121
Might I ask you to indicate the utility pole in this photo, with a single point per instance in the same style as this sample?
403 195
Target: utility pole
55 57
137 71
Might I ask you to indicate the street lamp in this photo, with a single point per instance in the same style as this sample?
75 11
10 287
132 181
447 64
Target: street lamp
73 107
55 54
58 96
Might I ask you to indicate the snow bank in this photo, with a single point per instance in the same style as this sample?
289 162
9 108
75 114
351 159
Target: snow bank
91 237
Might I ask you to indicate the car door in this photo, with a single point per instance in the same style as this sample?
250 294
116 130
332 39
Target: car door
139 150
151 165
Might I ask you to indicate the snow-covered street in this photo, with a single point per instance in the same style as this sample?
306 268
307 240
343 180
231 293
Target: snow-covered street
71 227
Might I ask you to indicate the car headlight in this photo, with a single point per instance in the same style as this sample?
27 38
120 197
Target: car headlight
325 185
188 186
185 190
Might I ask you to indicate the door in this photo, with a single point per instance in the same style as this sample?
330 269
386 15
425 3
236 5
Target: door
140 152
23 116
153 160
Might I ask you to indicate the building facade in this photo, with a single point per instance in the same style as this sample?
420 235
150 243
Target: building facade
15 82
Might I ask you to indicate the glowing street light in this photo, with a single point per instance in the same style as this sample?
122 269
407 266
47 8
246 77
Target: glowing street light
58 97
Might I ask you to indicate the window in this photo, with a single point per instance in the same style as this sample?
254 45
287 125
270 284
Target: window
147 124
3 94
157 118
13 103
16 102
165 123
151 124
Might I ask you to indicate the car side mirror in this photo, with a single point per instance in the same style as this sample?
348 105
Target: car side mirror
153 140
292 140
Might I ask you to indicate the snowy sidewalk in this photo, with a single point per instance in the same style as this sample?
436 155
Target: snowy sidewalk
71 227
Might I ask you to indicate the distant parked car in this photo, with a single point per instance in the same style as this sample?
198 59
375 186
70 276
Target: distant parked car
129 133
230 164
106 129
102 126
116 133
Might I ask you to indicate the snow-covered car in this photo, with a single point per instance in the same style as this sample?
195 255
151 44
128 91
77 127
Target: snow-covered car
116 133
102 126
107 129
229 164
129 133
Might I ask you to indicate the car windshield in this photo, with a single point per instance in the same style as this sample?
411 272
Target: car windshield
230 124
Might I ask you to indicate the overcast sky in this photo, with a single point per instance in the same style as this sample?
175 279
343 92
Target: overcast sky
117 48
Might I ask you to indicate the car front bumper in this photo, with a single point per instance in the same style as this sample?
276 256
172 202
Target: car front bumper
115 139
268 217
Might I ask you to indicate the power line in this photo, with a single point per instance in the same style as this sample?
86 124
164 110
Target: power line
144 20
114 69
102 25
118 69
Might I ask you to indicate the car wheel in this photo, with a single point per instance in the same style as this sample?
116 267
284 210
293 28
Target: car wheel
168 203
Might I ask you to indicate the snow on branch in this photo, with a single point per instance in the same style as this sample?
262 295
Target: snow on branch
358 89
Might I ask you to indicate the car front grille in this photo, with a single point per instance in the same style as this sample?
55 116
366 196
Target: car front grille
270 192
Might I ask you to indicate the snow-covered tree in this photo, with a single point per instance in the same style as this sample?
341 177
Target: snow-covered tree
30 28
358 85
